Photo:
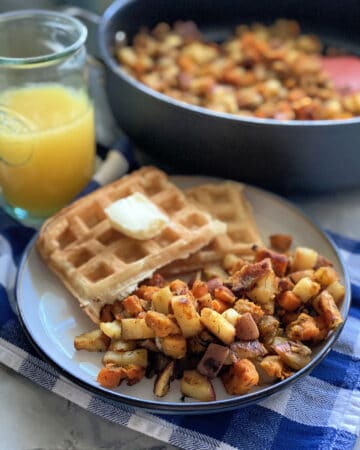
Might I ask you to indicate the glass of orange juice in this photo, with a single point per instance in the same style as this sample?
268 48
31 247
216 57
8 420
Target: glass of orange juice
47 138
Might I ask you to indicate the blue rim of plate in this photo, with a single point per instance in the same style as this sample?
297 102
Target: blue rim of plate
216 406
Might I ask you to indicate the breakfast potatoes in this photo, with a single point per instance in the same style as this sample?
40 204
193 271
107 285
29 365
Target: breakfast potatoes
252 326
272 72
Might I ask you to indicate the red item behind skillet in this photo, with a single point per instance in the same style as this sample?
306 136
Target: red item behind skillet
344 71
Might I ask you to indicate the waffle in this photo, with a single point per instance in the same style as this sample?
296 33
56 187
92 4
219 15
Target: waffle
226 202
99 264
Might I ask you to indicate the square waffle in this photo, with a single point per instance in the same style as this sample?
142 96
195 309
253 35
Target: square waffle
99 264
225 202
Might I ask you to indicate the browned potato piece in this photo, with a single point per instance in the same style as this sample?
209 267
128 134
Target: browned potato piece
231 316
275 367
136 329
304 258
122 346
161 324
246 328
305 328
110 377
174 346
246 278
305 289
224 294
195 385
289 301
264 292
293 354
240 378
162 382
297 276
161 300
138 357
213 359
281 242
285 284
279 261
243 306
218 325
186 316
111 329
326 307
268 328
337 290
132 305
93 341
247 349
326 276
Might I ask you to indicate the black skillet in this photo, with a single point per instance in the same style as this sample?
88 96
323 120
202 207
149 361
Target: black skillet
282 156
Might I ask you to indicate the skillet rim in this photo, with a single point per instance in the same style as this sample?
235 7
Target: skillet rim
106 20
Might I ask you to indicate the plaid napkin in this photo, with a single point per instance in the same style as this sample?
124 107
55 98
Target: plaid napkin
320 411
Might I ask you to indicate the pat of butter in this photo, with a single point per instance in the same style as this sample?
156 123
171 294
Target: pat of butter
137 217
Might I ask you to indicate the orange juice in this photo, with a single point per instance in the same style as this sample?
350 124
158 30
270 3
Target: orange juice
49 158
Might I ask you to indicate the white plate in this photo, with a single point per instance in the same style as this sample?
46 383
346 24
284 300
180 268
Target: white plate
52 318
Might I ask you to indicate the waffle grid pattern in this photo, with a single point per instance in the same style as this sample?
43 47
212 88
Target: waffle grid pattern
225 202
95 261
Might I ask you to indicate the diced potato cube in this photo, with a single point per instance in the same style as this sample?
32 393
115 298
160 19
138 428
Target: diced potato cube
305 289
197 386
242 306
122 346
136 329
186 315
161 300
337 290
325 276
93 341
281 242
241 377
304 258
275 367
138 357
218 325
161 324
296 276
325 305
110 377
174 346
231 316
111 329
264 292
224 294
163 380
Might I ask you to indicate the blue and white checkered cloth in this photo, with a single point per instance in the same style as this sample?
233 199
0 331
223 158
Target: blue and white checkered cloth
319 411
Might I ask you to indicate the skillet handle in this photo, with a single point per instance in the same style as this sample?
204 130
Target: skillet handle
92 21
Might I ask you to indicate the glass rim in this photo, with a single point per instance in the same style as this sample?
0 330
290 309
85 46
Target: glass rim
37 13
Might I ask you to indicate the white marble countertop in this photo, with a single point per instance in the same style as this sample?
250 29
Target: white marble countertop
34 419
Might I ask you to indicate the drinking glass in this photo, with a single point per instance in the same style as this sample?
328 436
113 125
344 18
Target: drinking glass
47 137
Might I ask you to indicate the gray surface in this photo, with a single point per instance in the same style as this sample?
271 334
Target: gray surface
34 419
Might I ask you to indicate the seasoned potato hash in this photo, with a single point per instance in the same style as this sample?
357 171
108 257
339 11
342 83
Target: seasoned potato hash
261 71
252 326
